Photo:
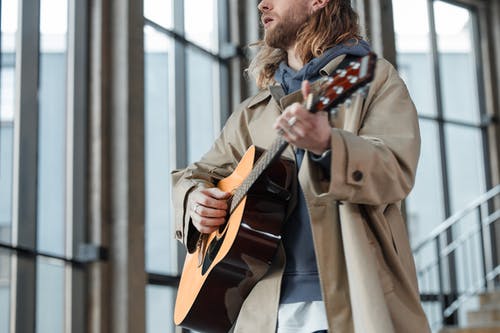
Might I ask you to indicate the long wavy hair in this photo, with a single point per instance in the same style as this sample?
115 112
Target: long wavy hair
336 23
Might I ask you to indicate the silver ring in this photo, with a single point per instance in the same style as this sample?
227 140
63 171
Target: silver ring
292 121
196 205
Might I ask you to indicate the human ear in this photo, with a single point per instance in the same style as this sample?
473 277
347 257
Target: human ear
318 4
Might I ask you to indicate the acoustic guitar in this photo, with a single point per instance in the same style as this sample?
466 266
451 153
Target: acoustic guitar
226 265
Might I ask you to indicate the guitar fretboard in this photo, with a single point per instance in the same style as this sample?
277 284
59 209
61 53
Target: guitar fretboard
277 147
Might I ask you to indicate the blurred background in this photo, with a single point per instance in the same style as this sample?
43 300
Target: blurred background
100 100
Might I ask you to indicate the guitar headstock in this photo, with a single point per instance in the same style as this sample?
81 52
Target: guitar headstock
334 90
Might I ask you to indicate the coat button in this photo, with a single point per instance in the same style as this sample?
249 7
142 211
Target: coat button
178 234
357 175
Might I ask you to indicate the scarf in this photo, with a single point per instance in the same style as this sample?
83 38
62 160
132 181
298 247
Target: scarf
291 80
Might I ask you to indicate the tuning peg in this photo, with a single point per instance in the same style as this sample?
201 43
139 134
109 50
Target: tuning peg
341 72
338 89
325 100
355 64
352 79
348 103
333 113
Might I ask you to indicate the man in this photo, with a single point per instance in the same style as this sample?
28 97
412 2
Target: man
345 264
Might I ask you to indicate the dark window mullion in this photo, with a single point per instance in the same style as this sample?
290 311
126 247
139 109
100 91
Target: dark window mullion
452 280
76 162
224 41
23 272
482 95
163 280
485 122
478 56
439 105
178 93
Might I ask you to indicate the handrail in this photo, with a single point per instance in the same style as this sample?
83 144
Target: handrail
441 272
457 217
474 290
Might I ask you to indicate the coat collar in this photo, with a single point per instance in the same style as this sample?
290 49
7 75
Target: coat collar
276 92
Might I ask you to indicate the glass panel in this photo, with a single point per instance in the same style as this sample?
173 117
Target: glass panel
6 159
50 296
414 52
8 30
465 165
161 256
4 291
159 11
52 125
200 23
159 309
466 179
454 28
425 208
200 101
424 205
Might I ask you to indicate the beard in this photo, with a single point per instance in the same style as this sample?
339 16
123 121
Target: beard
284 33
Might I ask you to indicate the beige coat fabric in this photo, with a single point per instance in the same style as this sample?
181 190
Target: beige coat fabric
366 268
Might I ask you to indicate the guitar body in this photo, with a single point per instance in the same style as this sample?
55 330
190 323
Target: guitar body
217 278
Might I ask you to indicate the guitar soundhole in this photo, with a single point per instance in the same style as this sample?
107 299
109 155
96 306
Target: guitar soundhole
213 249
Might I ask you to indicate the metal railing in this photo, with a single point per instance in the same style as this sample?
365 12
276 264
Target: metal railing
458 260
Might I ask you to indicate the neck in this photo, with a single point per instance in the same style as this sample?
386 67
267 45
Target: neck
294 62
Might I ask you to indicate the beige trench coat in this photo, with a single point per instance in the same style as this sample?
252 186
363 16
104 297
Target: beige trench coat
366 268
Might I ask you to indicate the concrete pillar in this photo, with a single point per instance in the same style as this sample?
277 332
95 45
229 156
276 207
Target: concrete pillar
376 18
116 171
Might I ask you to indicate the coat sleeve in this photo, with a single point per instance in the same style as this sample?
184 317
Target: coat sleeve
377 165
216 164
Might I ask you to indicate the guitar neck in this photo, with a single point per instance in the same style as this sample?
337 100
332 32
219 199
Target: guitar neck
331 91
268 157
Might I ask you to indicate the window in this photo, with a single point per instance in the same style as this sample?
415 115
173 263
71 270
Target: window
439 57
42 99
8 30
7 87
184 80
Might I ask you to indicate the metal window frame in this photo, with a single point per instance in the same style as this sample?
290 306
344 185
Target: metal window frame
178 103
483 65
476 8
76 164
23 275
25 168
451 281
178 100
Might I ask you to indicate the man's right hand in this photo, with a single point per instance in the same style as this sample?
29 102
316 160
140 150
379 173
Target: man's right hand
208 208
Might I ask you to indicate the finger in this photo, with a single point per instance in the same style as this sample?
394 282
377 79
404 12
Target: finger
203 229
210 212
203 198
306 89
289 135
210 222
298 132
207 225
217 193
286 125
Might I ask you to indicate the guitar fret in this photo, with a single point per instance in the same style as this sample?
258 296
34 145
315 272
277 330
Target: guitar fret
274 151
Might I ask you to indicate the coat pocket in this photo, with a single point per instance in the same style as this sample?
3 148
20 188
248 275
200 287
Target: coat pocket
383 269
